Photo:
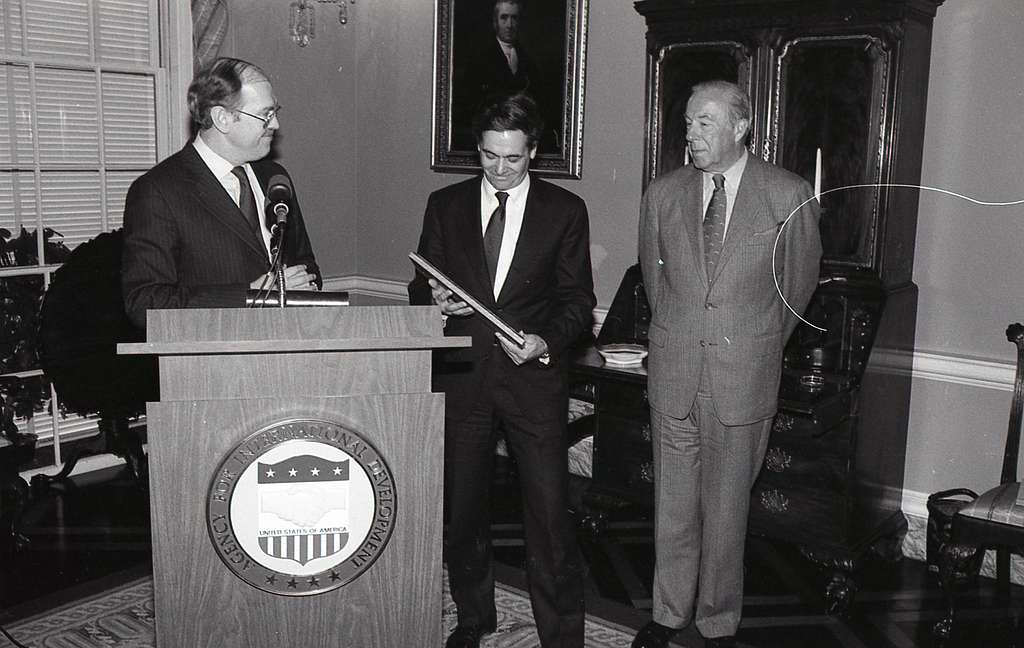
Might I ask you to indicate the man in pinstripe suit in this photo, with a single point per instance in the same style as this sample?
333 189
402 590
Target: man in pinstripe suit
188 241
716 337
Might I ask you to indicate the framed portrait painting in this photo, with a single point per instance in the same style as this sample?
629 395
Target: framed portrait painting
487 47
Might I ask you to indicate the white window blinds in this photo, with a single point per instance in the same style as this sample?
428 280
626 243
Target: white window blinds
79 114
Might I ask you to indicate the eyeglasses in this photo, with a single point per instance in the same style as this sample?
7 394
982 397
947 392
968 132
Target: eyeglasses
266 119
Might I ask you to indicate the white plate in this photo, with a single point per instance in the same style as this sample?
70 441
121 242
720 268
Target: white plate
622 354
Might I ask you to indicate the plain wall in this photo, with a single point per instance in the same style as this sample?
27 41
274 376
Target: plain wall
357 123
969 261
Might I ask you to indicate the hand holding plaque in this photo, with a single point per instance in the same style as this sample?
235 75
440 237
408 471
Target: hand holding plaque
499 324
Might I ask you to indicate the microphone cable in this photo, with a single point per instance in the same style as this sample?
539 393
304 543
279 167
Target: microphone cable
267 285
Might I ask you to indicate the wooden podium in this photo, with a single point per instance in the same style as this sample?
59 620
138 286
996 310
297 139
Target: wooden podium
296 476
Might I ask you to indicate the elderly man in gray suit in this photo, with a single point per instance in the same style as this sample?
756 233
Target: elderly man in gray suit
726 243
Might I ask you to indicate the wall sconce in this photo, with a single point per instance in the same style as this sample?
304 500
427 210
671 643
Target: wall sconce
302 18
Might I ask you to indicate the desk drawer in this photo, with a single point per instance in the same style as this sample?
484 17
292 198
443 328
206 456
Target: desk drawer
627 398
798 514
821 462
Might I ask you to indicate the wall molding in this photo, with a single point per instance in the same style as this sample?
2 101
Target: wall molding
945 367
922 364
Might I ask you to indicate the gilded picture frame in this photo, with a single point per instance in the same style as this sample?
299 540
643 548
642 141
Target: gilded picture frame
551 45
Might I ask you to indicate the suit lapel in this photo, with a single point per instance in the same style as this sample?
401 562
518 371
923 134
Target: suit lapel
744 212
529 236
472 240
214 200
693 204
684 221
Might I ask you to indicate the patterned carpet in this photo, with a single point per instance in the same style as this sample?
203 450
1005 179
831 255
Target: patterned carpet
123 618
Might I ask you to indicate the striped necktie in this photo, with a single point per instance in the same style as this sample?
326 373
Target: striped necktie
714 225
492 236
247 203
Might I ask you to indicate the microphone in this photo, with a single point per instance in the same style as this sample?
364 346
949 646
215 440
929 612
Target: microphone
279 192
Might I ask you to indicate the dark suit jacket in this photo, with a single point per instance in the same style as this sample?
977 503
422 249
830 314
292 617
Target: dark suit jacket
186 243
488 72
736 320
549 291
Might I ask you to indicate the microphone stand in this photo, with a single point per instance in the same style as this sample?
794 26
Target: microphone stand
276 236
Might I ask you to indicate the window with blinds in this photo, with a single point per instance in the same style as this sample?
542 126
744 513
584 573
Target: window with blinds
79 110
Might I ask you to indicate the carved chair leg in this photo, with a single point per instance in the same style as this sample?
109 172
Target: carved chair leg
41 481
840 593
1002 576
125 443
13 497
944 628
115 438
956 562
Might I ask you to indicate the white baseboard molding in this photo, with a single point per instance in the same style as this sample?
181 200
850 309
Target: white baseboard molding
944 367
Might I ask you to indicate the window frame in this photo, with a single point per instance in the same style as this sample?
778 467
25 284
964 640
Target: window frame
171 64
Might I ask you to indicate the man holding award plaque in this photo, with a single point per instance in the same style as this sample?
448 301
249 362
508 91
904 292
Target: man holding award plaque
518 248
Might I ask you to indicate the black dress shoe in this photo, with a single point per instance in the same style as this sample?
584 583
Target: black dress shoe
654 635
466 637
721 642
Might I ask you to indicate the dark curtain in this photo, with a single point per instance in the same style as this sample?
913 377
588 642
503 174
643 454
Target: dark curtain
209 26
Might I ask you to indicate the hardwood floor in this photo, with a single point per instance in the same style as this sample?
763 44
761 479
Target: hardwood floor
94 532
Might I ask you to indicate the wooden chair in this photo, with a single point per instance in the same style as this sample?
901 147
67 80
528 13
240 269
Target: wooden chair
996 518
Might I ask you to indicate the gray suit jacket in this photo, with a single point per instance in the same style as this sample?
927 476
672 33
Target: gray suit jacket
736 320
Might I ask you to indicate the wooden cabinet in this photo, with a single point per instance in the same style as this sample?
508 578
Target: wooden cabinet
847 80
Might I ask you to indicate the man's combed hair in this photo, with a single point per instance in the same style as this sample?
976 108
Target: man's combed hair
738 101
509 112
218 84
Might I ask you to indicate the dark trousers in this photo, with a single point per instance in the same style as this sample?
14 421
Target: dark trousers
552 556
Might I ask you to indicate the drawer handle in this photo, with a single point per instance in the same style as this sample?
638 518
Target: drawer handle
774 501
783 423
645 432
777 460
647 471
587 390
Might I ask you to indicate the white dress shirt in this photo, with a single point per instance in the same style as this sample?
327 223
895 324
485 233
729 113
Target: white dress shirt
515 207
221 168
510 55
732 184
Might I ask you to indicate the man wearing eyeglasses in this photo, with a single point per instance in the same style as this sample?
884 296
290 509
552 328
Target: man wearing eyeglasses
195 235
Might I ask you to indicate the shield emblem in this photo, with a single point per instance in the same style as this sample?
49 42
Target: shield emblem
303 507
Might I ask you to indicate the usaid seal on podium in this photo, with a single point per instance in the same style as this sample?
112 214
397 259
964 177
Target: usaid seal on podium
296 461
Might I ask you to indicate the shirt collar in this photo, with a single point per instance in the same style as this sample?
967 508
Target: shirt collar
732 175
515 194
505 47
217 164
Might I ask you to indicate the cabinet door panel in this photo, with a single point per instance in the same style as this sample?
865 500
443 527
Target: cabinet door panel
676 70
830 97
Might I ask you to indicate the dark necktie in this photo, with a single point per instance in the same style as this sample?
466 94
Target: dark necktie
714 225
247 203
492 236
